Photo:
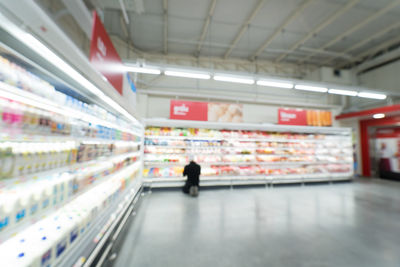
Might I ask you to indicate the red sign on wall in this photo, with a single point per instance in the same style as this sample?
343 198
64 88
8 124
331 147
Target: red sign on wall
292 116
304 117
103 55
188 110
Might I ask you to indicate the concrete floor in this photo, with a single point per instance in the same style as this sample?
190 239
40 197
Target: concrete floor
350 224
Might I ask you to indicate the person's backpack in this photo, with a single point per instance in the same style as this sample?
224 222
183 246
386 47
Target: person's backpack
194 191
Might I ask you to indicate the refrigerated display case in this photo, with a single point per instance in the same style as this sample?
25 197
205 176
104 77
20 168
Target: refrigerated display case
69 170
232 154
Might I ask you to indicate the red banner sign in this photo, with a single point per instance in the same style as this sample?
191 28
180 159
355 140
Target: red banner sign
304 117
188 110
103 55
292 116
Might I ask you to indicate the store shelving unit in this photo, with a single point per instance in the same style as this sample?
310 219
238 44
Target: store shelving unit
69 172
241 154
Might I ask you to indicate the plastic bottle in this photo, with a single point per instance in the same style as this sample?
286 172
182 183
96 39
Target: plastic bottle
36 201
8 160
5 212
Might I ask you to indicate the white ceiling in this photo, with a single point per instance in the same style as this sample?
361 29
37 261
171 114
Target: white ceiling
186 19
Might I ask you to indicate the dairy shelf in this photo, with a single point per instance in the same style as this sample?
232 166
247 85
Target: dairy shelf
8 233
92 241
38 176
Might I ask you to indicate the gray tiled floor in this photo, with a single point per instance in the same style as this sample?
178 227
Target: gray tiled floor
351 224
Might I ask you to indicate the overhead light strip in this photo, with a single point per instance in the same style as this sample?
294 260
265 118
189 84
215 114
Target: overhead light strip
371 95
250 80
311 88
233 79
285 85
146 70
184 74
342 92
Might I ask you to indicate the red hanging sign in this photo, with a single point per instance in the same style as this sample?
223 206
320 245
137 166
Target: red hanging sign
103 55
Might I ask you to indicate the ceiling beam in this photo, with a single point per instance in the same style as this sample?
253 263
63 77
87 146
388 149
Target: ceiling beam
321 26
286 22
124 12
81 14
387 57
367 40
372 51
244 27
205 26
356 27
165 30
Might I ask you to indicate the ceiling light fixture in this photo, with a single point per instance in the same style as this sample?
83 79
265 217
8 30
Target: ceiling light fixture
285 85
186 74
146 70
372 95
342 92
378 116
233 79
311 88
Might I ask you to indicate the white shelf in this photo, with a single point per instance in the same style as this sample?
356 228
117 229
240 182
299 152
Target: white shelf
245 180
279 140
247 163
10 232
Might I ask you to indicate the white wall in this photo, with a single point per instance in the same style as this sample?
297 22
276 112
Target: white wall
158 107
386 78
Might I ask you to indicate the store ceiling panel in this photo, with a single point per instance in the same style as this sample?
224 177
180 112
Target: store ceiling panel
228 27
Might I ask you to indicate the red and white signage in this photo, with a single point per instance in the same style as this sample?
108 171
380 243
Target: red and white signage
304 117
292 116
103 55
188 110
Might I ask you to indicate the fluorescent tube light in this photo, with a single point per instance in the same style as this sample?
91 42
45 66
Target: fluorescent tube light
145 70
378 116
275 84
311 88
233 79
185 74
372 95
342 92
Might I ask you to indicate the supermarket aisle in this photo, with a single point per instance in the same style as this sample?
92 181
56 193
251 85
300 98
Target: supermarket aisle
354 224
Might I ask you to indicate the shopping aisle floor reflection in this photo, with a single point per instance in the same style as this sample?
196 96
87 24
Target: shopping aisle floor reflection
351 224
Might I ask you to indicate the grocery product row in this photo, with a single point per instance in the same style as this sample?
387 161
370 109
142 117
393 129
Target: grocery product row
18 77
253 170
23 158
240 158
245 151
30 201
252 143
17 118
182 133
47 241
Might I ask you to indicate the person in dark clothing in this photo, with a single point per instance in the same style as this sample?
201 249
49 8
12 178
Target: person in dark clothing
192 171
